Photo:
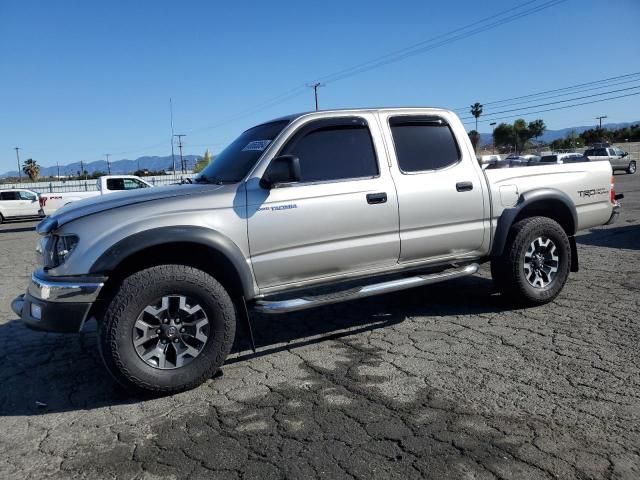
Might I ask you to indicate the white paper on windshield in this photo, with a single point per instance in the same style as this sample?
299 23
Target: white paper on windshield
257 145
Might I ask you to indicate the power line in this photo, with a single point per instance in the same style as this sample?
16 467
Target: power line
560 101
396 55
424 46
558 108
505 103
635 74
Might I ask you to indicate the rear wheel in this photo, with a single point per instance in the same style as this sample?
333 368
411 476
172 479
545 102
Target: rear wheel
536 262
168 329
632 167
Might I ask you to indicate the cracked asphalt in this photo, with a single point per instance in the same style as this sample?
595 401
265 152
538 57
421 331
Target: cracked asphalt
439 382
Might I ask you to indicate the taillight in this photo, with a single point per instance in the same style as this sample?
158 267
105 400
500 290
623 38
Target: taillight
612 192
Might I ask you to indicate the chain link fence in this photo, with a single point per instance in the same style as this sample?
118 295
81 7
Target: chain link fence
89 185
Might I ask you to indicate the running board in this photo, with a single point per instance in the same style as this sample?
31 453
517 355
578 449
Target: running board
293 304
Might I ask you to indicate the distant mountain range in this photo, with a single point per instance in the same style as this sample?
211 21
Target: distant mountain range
117 166
166 163
551 135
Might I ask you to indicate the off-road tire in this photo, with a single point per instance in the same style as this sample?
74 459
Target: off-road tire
508 269
141 289
631 169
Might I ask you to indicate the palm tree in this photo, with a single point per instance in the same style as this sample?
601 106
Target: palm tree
31 168
476 111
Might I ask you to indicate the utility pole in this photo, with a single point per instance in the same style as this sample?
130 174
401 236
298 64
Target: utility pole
182 165
18 157
493 142
315 87
173 156
108 164
600 119
58 165
82 169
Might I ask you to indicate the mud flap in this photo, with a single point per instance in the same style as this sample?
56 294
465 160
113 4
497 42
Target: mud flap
574 254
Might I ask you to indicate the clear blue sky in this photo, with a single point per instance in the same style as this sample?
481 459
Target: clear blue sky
82 78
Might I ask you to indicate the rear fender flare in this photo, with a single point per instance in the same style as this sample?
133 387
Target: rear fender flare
529 199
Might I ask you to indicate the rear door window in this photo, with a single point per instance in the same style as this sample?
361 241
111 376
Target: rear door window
423 143
9 196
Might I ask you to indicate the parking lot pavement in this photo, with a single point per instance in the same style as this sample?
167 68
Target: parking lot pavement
439 382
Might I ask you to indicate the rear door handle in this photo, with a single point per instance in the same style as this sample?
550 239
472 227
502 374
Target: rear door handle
464 186
373 198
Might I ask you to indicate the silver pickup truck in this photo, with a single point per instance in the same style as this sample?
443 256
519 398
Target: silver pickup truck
361 202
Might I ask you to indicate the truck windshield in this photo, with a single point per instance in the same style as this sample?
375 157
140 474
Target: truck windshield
233 163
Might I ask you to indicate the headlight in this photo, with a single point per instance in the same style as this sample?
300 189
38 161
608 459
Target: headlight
55 249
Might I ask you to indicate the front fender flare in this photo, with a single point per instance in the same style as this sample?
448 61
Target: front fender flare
213 239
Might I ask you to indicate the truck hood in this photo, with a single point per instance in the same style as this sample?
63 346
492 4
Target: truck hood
93 205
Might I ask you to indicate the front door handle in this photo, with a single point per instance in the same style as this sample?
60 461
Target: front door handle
464 186
373 198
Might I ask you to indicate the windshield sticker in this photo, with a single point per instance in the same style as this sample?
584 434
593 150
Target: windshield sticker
256 145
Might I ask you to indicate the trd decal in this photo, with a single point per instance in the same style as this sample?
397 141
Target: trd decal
593 191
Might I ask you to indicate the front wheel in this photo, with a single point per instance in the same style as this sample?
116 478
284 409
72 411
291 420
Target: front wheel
168 328
536 262
632 167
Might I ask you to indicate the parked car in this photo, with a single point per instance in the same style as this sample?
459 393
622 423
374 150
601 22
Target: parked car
564 158
18 203
361 202
618 158
50 202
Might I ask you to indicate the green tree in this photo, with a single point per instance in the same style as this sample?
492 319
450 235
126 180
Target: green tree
31 168
517 135
203 162
476 111
537 128
474 136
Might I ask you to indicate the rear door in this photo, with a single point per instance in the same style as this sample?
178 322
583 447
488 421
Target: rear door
342 217
440 189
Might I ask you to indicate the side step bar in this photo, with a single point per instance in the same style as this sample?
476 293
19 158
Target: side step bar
293 304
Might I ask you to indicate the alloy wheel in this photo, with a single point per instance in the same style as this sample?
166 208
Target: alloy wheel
541 262
171 333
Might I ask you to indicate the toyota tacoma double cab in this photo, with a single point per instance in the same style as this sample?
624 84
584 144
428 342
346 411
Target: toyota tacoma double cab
361 202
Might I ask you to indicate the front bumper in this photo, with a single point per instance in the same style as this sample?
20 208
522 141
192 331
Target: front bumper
57 304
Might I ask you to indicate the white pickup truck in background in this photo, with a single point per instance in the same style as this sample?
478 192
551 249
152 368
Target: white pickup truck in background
50 202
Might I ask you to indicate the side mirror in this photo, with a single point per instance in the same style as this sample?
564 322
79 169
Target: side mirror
282 169
624 154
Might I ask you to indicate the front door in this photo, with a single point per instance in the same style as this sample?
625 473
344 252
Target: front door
342 217
440 189
29 204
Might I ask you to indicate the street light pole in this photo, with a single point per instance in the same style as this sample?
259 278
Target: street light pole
18 157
